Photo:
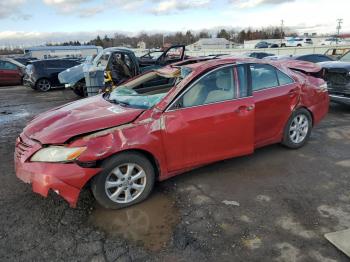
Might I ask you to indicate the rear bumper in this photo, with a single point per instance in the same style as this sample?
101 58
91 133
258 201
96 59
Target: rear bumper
340 99
28 82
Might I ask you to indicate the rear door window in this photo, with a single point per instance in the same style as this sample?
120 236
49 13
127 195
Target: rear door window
263 76
283 78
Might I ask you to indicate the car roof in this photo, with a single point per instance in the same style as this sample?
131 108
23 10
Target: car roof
292 64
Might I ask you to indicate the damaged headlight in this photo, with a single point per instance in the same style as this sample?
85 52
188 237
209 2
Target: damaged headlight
57 154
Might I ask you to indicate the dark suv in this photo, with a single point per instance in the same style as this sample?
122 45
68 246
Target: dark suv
42 75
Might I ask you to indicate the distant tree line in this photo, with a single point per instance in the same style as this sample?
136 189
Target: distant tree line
8 51
157 40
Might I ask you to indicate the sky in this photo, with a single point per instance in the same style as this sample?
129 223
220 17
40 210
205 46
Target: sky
40 21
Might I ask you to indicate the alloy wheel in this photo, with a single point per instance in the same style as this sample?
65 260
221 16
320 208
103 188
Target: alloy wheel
125 183
299 128
44 85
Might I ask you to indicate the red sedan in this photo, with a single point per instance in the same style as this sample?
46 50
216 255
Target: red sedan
11 72
121 142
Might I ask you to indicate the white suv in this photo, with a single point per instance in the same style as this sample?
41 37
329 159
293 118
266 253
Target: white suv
298 42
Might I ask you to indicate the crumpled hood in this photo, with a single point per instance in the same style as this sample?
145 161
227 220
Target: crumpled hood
84 116
335 65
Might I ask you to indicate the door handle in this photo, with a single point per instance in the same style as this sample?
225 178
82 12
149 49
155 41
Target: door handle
250 108
244 108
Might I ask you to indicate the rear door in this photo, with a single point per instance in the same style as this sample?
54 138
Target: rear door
275 96
212 120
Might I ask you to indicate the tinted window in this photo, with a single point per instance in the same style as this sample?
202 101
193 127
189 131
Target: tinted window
216 86
283 78
263 76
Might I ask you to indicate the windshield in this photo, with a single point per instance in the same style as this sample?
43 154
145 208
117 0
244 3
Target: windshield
146 90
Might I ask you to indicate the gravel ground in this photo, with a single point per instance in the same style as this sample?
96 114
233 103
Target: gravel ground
274 205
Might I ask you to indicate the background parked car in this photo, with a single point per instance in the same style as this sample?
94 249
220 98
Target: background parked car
337 75
314 58
297 42
121 64
11 72
263 44
332 41
258 55
42 75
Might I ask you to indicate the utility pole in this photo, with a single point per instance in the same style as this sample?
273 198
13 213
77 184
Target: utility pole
282 23
339 23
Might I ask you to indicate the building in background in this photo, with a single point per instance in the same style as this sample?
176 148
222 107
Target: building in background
45 52
211 43
141 45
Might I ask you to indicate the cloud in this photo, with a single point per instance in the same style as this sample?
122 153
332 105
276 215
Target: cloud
86 8
65 6
12 9
173 6
255 3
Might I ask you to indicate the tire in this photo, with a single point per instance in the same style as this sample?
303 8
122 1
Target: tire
298 129
111 186
43 85
298 45
80 89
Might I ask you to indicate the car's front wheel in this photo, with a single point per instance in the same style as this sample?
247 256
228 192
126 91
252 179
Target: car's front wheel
298 129
43 85
126 179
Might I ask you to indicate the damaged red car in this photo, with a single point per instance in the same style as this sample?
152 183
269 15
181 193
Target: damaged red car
121 142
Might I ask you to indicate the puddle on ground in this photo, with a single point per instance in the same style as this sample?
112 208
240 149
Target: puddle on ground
6 116
149 223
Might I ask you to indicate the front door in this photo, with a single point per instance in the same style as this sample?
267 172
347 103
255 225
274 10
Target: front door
210 121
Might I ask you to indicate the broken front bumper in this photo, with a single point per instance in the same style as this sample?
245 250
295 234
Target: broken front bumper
65 179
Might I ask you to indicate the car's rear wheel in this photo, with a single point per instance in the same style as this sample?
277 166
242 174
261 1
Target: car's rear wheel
43 85
298 129
126 179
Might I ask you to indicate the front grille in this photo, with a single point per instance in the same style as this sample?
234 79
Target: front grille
22 148
338 82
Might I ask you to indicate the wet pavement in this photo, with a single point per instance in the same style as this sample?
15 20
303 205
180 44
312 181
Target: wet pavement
274 205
